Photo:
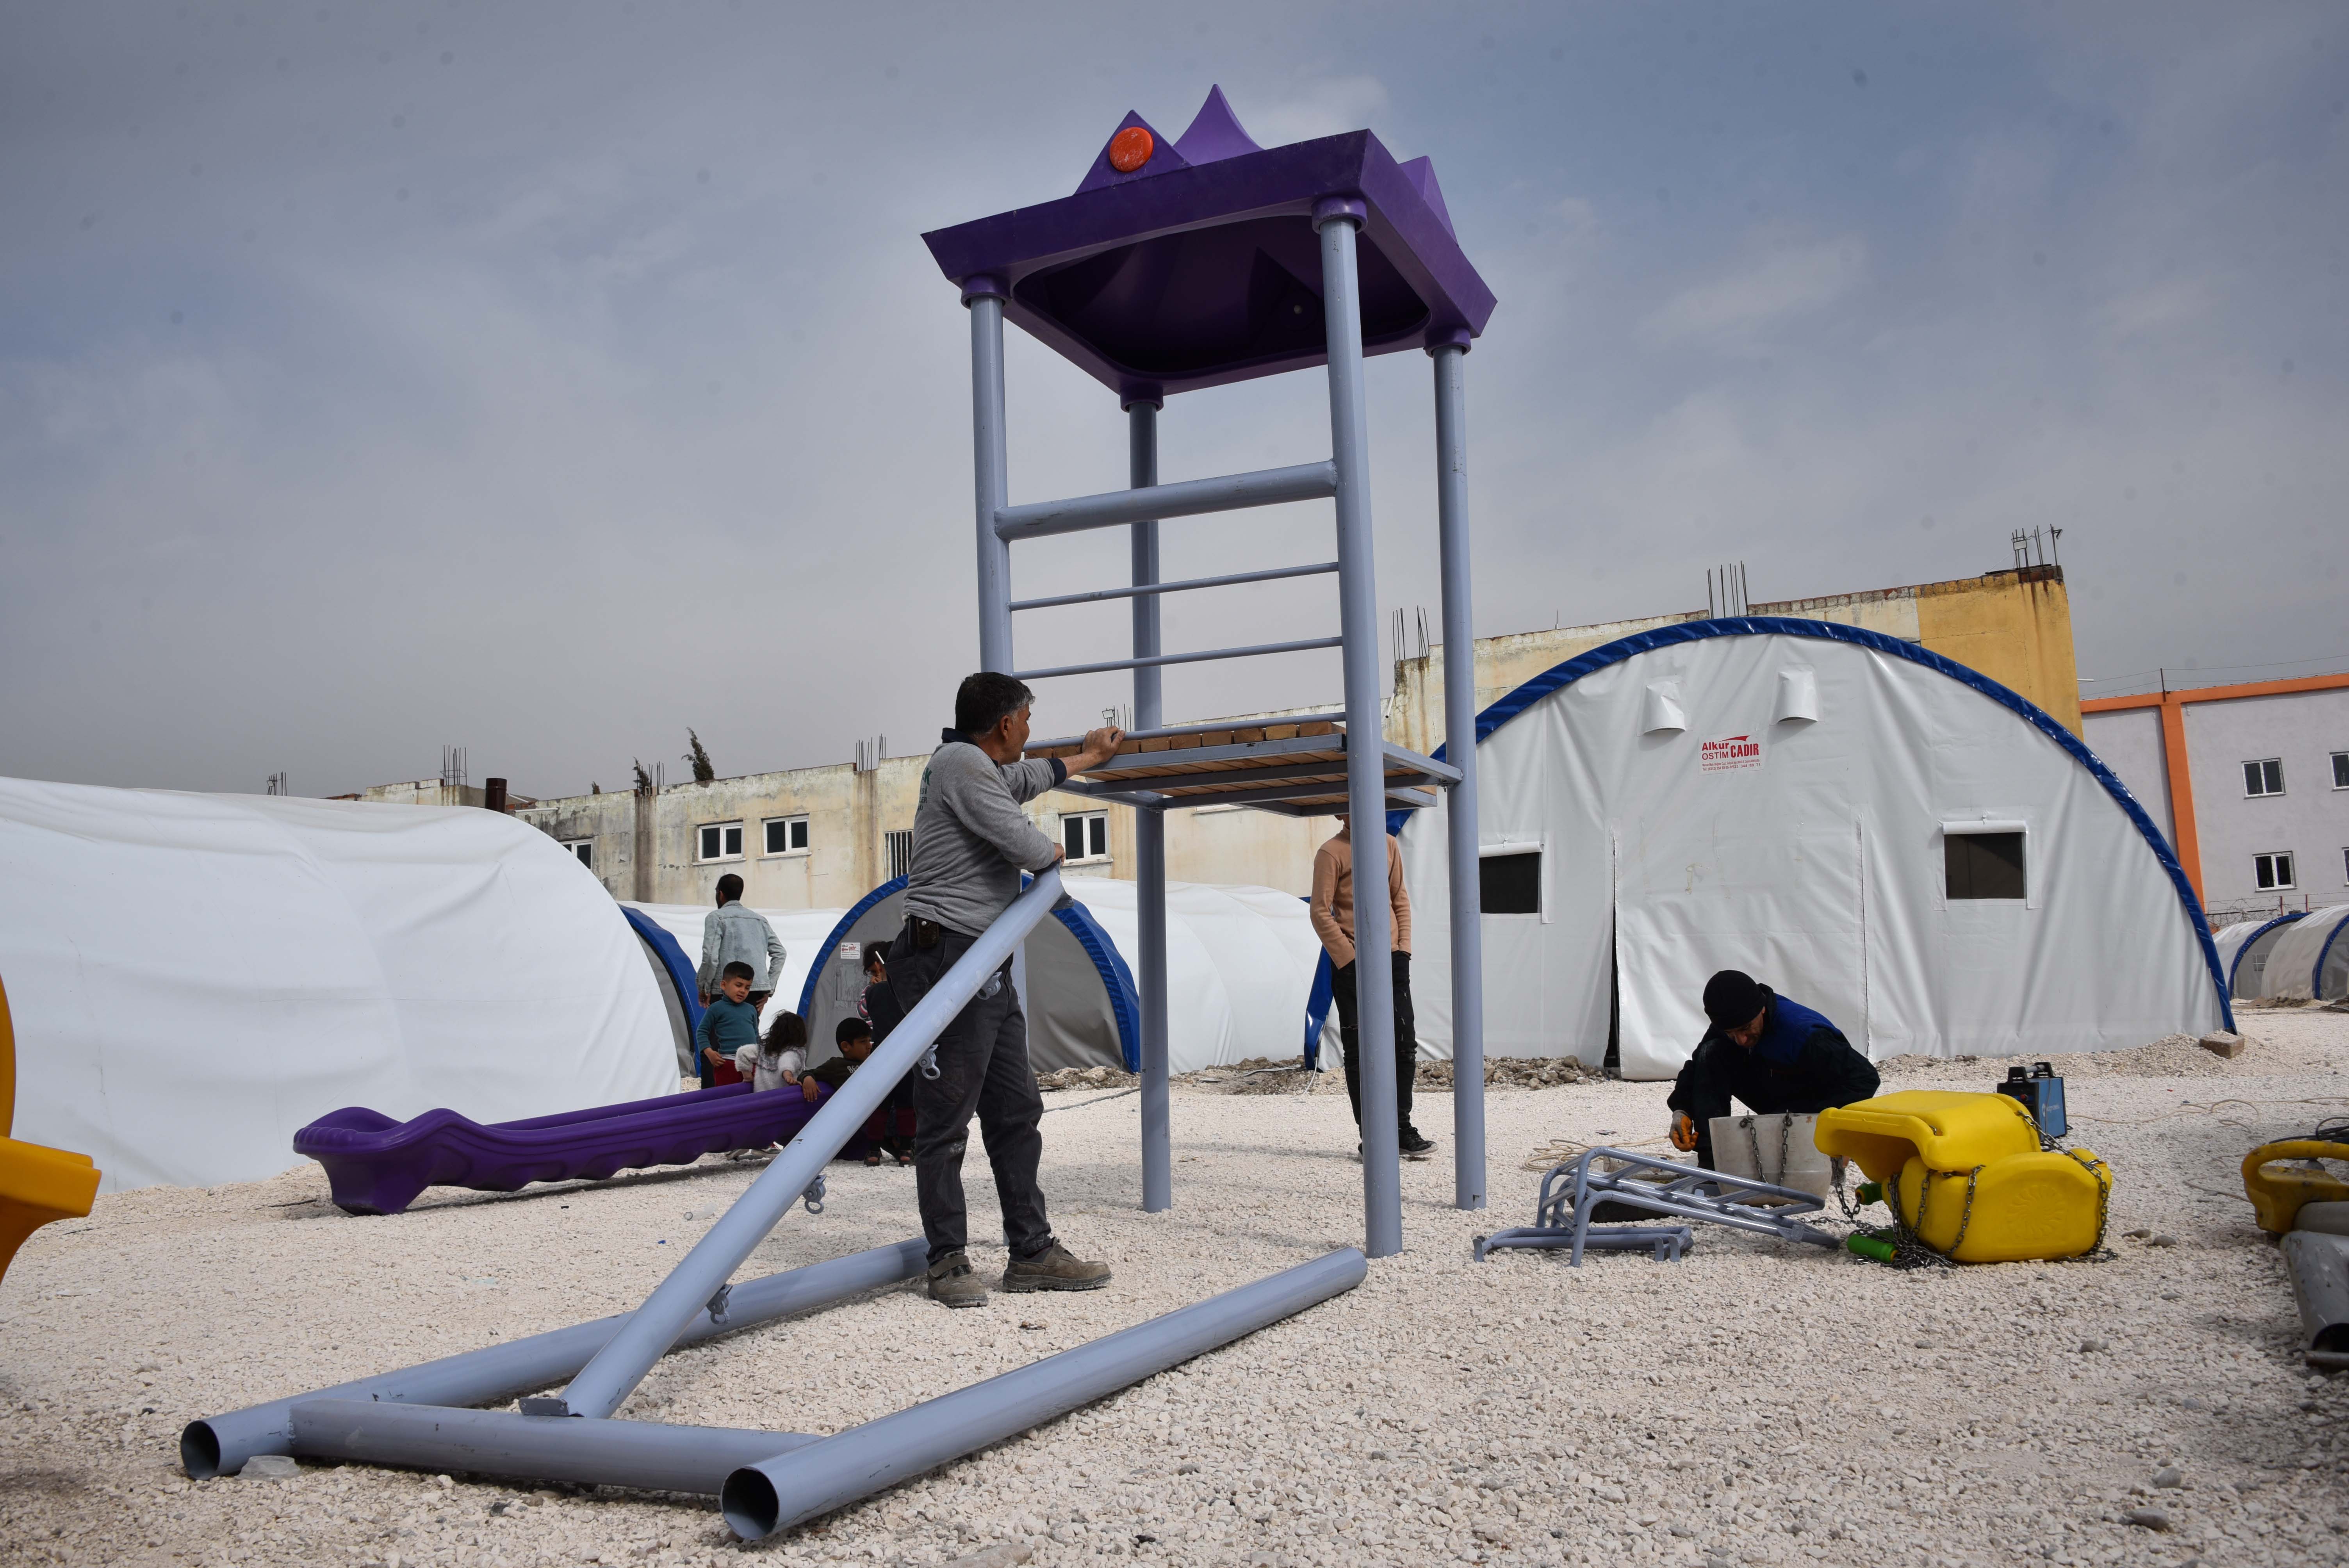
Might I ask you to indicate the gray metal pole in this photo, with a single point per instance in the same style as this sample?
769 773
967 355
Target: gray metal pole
646 1336
1350 450
218 1445
652 1455
1150 836
1460 750
764 1498
989 472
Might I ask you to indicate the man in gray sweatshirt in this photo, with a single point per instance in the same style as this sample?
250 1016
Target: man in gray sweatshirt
971 841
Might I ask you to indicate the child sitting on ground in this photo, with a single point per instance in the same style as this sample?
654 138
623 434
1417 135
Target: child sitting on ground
774 1062
728 1023
890 1127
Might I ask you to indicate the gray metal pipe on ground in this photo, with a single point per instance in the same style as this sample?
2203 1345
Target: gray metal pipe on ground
218 1445
2318 1266
832 1472
646 1336
650 1455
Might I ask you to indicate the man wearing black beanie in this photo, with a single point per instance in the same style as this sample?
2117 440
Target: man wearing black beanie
1767 1052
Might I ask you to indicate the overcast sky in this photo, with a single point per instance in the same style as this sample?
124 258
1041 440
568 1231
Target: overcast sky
547 380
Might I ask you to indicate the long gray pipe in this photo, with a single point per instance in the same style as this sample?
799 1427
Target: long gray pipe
1460 807
2318 1266
652 1328
832 1472
218 1445
652 1455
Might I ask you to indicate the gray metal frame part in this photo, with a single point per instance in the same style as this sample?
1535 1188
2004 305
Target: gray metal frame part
792 1488
1341 309
1154 589
1149 832
653 1456
2317 1264
1202 656
606 1380
218 1445
1468 1172
1190 498
1569 1192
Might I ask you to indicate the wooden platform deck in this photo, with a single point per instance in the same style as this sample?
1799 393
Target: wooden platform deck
1298 769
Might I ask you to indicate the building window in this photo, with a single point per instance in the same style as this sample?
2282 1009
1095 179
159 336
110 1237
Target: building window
900 845
1085 836
1983 865
2273 871
1509 884
721 841
787 835
582 848
2266 778
2341 770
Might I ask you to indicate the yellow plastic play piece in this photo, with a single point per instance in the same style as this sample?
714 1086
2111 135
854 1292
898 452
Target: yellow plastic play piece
2277 1190
1947 1130
37 1185
1928 1146
2036 1205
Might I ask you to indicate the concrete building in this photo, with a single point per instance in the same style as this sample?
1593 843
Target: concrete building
824 837
2251 782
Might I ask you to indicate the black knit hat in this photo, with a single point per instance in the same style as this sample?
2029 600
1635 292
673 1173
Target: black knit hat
1730 999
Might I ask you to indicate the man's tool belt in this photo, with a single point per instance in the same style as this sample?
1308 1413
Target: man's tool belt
927 933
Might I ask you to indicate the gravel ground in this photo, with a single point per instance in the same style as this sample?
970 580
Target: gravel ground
1755 1404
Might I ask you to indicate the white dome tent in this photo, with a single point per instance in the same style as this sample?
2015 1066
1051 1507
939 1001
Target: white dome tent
1240 966
2243 949
2310 960
193 977
1884 835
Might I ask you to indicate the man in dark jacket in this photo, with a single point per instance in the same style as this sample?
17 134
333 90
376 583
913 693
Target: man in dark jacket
1769 1053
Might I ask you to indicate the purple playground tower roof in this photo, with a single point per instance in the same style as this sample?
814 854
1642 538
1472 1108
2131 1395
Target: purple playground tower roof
1194 263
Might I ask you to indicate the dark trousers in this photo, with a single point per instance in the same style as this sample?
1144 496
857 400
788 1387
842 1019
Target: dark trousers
1341 990
982 1067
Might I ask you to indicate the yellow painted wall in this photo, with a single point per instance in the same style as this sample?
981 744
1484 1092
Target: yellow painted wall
2014 628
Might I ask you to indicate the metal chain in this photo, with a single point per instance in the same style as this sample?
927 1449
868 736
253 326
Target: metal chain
1754 1142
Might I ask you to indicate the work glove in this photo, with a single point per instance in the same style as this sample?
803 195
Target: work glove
1683 1132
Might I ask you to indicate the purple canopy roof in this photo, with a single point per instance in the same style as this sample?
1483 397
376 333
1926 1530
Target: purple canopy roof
1201 266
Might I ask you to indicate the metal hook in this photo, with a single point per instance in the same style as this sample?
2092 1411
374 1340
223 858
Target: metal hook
813 1197
930 1063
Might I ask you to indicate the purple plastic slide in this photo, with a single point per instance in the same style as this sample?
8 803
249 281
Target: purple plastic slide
376 1166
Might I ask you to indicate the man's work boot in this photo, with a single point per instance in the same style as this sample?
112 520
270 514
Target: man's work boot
1054 1269
952 1283
1412 1145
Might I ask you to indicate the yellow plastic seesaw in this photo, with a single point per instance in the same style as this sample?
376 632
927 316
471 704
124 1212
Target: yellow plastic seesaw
37 1185
2277 1191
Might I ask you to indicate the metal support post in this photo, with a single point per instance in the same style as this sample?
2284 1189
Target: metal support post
837 1470
1460 750
1336 220
651 1455
988 472
1150 836
608 1380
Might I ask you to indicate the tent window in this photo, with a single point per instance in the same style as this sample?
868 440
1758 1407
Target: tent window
1085 836
2273 871
584 849
787 835
1510 884
2265 778
721 841
1983 865
900 844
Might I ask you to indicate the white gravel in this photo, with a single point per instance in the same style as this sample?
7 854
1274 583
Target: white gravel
1755 1404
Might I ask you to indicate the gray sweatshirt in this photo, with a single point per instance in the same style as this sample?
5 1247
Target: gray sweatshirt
971 841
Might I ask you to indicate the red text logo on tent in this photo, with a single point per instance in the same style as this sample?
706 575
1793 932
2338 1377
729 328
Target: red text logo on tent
1732 751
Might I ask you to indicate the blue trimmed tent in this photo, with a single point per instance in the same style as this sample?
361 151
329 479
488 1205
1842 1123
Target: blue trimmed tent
1880 833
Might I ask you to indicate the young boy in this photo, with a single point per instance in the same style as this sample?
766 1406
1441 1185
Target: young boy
728 1023
889 1128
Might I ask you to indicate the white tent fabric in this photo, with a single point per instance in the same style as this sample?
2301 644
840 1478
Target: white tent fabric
801 931
1239 967
193 977
2244 948
2292 973
1808 850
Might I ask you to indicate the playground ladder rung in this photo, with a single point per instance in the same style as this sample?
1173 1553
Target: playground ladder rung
1154 504
1143 590
1156 659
